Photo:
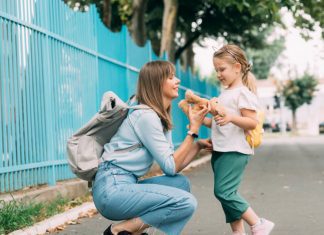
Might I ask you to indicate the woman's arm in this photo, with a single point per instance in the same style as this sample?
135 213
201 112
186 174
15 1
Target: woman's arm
196 147
185 153
149 130
188 149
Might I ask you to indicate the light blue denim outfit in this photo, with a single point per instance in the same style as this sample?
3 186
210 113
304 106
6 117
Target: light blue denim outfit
163 202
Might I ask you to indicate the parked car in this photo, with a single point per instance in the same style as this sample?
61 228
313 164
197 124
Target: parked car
267 127
321 128
276 127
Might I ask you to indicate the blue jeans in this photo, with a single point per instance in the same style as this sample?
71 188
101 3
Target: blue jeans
163 202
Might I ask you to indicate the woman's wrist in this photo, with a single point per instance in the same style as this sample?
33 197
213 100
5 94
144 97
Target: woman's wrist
194 130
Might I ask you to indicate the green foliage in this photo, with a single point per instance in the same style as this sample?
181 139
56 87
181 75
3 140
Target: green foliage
242 22
299 91
120 11
263 59
55 207
235 21
79 5
124 9
303 9
15 215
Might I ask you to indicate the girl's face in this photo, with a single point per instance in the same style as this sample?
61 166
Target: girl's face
227 73
170 87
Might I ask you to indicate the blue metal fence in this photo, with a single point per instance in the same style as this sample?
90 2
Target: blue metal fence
55 64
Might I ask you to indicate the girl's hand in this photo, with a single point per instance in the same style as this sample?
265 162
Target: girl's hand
216 108
205 144
197 118
223 118
213 106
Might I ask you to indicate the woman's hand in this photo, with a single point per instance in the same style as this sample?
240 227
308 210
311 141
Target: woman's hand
205 144
197 118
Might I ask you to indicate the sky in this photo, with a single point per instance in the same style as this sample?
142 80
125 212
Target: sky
299 55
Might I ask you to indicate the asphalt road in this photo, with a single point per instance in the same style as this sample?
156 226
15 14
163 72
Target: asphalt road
284 182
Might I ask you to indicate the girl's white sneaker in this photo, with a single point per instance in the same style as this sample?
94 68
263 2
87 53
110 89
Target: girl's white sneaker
262 228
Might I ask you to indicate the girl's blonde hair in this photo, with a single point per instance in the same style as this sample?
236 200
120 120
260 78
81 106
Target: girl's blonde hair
234 54
149 88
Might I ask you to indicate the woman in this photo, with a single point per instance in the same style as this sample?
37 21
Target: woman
163 202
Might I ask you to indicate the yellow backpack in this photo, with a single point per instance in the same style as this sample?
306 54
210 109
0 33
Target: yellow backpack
254 137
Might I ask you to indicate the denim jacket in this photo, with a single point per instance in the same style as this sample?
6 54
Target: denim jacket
138 142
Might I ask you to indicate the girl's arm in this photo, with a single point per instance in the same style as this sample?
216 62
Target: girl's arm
248 120
207 122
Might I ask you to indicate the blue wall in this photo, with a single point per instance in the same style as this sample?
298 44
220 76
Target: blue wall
55 64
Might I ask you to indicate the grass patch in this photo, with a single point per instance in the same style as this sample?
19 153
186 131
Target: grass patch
16 215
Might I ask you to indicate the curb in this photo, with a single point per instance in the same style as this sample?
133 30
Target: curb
198 162
70 189
77 212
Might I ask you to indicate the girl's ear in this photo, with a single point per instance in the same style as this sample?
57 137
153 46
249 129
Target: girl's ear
237 67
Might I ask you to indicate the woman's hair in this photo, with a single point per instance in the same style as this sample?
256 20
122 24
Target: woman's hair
149 88
234 54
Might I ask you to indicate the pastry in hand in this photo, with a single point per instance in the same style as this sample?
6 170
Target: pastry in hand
194 100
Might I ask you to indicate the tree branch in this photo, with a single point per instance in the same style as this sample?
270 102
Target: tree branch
187 44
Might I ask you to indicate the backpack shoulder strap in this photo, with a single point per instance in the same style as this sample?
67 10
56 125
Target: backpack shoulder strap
139 106
132 100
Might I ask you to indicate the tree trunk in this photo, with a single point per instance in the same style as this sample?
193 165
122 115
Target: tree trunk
138 28
155 42
294 121
168 28
188 58
106 13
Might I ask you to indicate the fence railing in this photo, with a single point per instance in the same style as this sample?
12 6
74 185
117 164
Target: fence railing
55 64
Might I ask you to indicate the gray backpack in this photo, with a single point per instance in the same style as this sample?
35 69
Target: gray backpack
85 147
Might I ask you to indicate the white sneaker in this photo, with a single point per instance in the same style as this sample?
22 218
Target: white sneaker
263 228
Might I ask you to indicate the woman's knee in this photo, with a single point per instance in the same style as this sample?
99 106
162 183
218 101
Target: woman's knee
193 203
182 182
190 205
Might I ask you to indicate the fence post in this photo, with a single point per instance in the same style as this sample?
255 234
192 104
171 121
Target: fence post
49 122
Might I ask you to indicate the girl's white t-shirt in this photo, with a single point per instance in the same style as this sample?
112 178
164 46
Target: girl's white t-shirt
231 138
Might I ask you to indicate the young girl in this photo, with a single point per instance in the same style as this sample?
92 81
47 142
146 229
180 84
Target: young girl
234 115
164 202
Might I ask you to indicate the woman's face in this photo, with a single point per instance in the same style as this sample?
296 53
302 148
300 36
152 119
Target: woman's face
170 87
228 74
